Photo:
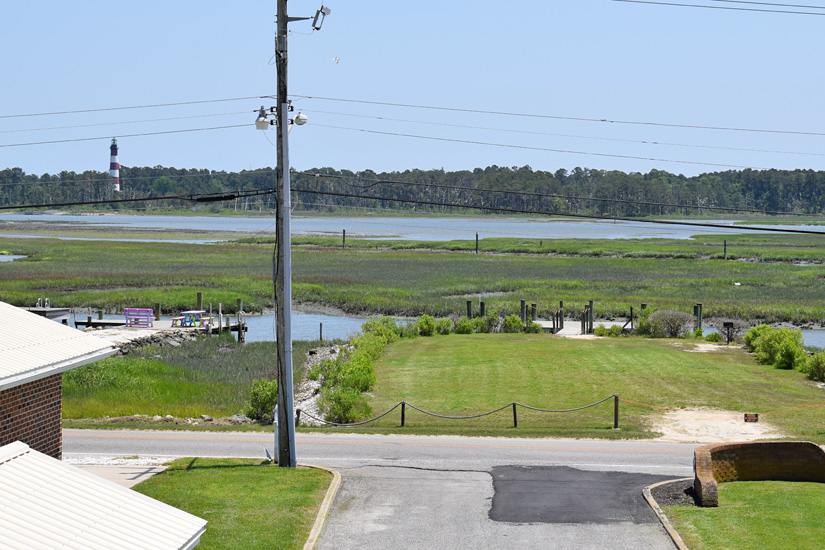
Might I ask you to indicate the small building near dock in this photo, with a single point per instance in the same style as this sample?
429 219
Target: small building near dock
34 354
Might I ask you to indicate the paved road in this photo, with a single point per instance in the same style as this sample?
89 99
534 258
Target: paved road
439 492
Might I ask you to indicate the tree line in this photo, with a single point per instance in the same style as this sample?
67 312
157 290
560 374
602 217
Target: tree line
578 191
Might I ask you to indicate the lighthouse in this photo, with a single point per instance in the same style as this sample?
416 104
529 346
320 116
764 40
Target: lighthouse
114 167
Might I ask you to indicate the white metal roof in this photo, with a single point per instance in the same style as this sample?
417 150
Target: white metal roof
33 347
46 504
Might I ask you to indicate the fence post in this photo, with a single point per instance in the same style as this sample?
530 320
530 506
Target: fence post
726 250
615 411
469 309
590 318
157 311
561 314
699 320
297 417
200 300
515 416
631 317
482 309
523 311
403 412
532 312
476 243
321 332
344 239
695 316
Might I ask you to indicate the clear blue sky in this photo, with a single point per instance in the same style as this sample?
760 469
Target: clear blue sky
574 58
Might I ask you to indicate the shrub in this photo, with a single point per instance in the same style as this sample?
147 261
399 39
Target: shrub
512 324
714 337
532 327
443 326
600 330
736 332
426 325
673 323
386 328
649 327
615 330
464 326
698 334
493 321
480 325
343 404
754 334
814 367
262 400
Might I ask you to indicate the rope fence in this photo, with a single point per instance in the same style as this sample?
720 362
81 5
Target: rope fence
513 405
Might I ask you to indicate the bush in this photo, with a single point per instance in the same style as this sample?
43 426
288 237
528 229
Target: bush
343 404
600 330
512 324
493 321
673 323
754 334
814 367
781 347
443 326
426 325
386 328
464 326
714 337
736 332
614 331
262 400
532 327
649 327
698 334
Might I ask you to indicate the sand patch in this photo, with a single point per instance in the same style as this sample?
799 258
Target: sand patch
703 348
710 426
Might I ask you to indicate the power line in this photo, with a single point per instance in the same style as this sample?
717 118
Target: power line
644 142
551 195
770 4
559 117
133 107
718 7
562 214
532 148
118 123
125 135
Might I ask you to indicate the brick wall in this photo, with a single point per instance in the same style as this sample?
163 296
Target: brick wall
759 461
31 413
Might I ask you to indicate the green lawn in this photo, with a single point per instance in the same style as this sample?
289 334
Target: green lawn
756 515
248 504
470 374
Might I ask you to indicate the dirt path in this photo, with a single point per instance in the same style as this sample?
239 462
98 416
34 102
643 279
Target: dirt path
710 426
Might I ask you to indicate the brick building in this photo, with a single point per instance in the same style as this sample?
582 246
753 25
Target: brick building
34 354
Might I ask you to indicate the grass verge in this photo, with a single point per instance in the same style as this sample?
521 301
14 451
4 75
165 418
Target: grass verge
756 515
471 374
248 504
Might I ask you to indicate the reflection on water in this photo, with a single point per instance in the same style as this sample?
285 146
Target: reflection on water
9 257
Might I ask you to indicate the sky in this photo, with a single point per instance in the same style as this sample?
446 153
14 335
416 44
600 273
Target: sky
537 63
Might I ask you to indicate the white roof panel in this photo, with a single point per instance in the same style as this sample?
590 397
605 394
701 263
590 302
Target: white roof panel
33 347
47 504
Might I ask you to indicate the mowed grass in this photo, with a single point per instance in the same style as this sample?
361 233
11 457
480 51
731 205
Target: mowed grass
756 515
248 504
470 374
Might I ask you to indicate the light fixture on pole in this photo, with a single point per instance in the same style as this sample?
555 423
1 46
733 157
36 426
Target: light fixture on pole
321 14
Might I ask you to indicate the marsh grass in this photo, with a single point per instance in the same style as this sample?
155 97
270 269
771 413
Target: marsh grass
208 376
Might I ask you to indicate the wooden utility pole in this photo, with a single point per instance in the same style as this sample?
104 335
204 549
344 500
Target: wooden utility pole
283 260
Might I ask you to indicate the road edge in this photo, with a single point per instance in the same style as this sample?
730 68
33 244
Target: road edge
321 518
671 531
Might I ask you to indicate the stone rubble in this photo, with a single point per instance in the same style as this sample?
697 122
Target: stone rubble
308 391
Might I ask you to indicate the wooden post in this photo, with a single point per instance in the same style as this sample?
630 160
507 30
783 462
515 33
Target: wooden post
532 312
210 319
699 319
476 243
561 315
515 416
482 309
240 305
469 309
157 311
695 316
590 318
523 310
241 334
631 317
321 332
100 314
344 239
726 249
297 417
615 411
403 413
220 318
200 300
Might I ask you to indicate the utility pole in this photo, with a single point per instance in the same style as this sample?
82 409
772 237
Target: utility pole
283 261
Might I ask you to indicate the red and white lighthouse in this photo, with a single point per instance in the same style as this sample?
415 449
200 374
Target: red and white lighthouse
114 167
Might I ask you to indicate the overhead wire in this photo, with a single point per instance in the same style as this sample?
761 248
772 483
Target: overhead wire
529 132
718 7
119 123
125 135
560 117
102 109
534 148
